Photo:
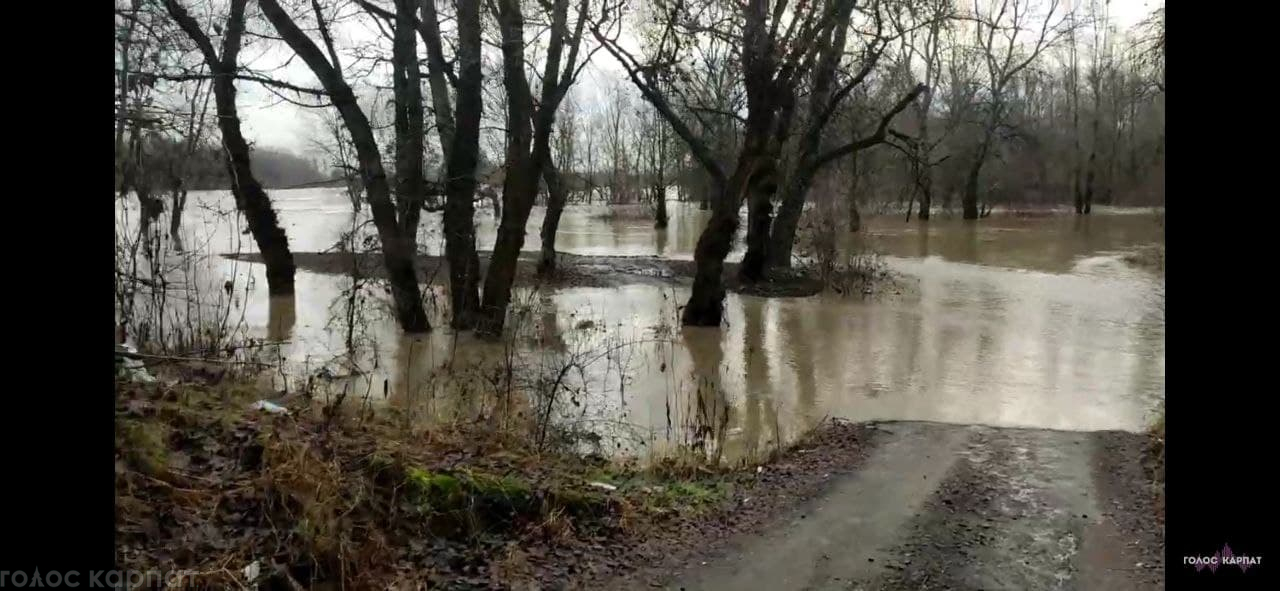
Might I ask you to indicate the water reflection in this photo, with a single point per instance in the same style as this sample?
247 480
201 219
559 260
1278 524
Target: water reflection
1008 321
282 313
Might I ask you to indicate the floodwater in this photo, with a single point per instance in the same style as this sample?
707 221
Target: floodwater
1026 322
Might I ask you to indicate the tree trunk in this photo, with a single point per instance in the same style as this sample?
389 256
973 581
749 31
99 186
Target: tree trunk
463 156
926 195
528 149
970 199
759 220
518 193
1087 202
783 237
175 217
250 197
706 300
660 217
407 88
556 199
396 253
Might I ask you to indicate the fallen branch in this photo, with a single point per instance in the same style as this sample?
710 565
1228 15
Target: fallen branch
190 359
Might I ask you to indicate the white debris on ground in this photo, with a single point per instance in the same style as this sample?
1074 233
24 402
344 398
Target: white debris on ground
271 407
132 368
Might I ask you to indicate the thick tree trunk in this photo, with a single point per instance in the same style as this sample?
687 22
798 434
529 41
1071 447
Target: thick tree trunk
759 220
706 300
528 149
463 156
397 255
551 221
518 194
783 237
251 198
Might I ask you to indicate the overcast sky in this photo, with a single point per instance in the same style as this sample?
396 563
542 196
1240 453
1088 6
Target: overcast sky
270 122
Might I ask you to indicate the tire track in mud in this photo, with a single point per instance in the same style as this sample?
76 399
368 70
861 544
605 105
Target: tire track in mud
951 507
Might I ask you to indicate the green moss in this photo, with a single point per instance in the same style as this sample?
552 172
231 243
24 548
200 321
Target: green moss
432 490
144 445
687 495
467 490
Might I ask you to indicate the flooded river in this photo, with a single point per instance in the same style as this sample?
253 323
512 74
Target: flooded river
1034 322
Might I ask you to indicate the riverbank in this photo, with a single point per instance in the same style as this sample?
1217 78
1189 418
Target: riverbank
299 495
863 277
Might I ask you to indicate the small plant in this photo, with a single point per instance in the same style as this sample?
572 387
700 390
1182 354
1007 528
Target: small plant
845 269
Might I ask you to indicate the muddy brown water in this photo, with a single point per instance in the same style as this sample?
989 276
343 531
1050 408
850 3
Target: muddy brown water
1010 322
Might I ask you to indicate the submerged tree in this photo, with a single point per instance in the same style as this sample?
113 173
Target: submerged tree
998 35
397 249
250 197
808 155
778 46
460 141
529 127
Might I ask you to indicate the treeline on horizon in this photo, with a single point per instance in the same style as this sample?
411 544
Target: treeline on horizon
204 168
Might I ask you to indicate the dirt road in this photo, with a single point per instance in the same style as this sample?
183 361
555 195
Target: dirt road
939 506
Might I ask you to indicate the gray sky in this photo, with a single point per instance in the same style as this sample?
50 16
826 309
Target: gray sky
267 121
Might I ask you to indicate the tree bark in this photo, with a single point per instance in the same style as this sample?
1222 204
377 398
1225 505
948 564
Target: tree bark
463 155
759 220
706 301
528 147
396 253
969 200
787 222
407 89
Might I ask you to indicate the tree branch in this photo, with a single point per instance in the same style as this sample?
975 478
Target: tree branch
874 138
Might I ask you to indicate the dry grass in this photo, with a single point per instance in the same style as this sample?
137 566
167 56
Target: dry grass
206 484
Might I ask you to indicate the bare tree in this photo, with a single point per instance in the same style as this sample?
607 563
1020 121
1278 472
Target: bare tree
809 155
460 140
529 127
1100 66
180 167
998 32
250 197
397 252
773 58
